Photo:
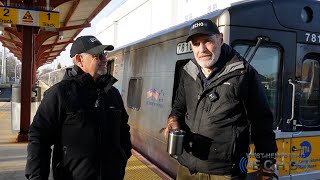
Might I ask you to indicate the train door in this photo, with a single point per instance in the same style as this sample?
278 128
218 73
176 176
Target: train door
305 158
179 65
274 62
307 114
266 61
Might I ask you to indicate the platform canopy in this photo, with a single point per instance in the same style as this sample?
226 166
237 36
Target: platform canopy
74 16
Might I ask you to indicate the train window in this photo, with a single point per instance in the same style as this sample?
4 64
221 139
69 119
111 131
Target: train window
266 61
134 93
179 66
309 110
110 66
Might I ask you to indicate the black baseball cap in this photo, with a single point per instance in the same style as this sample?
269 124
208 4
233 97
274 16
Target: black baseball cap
202 26
88 44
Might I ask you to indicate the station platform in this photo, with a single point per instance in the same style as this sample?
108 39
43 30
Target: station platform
13 155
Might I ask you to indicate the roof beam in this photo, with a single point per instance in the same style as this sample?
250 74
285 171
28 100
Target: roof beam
71 12
46 54
16 49
15 52
19 44
97 10
14 32
42 37
58 43
67 28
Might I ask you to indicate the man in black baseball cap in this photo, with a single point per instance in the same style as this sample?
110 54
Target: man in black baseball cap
87 48
86 112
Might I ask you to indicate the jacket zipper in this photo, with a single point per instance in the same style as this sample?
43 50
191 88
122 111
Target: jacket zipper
97 104
64 149
200 96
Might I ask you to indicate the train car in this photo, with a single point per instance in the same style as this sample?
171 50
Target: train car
281 40
53 77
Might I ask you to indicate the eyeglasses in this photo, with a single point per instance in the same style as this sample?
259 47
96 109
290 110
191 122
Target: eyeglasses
102 56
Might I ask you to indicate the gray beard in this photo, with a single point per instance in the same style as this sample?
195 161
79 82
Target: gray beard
102 71
213 61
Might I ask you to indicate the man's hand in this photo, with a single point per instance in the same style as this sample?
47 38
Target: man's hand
264 174
172 124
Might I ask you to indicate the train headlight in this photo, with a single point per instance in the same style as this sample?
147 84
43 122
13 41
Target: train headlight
306 14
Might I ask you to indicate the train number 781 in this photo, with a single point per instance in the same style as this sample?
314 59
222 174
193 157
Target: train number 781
310 37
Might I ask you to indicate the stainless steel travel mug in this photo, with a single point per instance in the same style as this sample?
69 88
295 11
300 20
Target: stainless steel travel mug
175 142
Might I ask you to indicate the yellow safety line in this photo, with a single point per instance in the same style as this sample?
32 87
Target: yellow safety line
136 170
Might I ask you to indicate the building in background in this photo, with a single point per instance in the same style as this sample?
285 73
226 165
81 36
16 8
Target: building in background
136 19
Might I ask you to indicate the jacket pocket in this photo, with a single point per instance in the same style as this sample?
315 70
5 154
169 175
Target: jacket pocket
223 146
74 119
81 130
201 146
78 165
220 111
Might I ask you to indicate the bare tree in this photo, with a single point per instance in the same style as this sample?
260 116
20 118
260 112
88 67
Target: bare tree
11 64
59 66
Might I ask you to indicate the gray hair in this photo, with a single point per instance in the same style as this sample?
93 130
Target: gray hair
74 60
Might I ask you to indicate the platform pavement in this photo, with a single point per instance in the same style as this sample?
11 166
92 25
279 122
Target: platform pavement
12 155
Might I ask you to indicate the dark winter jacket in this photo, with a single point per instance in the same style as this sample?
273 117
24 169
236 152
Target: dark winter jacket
86 123
218 114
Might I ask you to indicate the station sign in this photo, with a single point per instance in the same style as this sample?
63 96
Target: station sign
29 17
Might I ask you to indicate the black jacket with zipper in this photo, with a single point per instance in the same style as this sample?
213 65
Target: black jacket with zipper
218 116
86 123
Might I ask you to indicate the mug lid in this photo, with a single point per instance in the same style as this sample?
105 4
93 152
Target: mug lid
177 132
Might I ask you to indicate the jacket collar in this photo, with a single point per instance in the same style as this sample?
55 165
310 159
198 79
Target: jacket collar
85 79
232 65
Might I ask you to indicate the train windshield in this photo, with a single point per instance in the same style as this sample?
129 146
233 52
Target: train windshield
309 109
266 61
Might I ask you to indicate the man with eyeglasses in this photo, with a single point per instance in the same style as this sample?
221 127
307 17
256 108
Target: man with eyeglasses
84 118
